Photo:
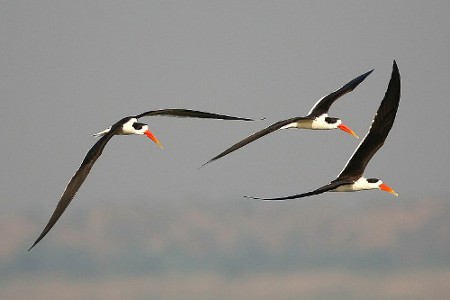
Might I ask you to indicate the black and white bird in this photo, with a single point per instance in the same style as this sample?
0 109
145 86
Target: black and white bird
351 178
126 126
316 119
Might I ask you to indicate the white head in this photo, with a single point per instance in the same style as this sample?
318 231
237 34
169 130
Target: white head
132 126
325 122
371 184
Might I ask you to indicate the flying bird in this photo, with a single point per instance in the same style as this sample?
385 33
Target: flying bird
351 178
126 126
316 119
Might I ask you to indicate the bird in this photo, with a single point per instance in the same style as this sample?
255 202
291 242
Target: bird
316 119
351 178
126 126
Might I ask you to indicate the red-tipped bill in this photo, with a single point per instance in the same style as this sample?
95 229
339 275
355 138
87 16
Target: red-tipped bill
386 188
348 130
153 138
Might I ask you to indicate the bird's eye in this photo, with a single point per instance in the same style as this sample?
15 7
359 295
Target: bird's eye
372 180
137 126
331 120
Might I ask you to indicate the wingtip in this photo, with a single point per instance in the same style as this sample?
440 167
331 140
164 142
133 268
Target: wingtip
203 165
32 246
208 162
251 120
211 160
232 118
36 242
394 64
395 71
248 119
358 80
367 73
255 198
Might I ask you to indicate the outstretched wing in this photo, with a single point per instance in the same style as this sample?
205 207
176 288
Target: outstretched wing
257 135
381 125
323 105
188 113
76 181
326 188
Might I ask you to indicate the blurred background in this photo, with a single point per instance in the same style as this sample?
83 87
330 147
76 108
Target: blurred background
148 224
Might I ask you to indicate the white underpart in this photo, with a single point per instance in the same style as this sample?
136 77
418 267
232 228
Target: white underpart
317 124
291 125
358 185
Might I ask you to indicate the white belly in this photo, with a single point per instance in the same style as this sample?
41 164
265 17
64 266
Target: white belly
302 125
345 188
359 185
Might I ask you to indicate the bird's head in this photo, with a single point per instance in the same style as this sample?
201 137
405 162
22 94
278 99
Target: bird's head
325 122
333 123
375 183
141 128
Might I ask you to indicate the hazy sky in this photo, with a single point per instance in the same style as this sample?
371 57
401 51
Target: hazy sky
70 69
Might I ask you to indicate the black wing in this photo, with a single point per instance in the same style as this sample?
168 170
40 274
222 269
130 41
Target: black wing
323 105
326 188
188 113
76 181
381 125
257 135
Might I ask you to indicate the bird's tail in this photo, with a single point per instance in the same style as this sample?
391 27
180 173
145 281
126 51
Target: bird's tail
102 133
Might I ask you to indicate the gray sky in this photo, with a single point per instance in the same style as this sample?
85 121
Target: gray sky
147 223
70 69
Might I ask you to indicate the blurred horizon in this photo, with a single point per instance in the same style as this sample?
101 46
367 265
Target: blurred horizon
316 248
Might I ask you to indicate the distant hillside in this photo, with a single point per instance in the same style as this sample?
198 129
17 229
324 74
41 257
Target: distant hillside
343 247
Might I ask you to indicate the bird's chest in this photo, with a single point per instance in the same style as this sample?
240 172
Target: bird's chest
320 124
358 185
124 131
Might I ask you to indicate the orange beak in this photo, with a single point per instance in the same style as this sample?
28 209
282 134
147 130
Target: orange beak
386 188
153 138
348 130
